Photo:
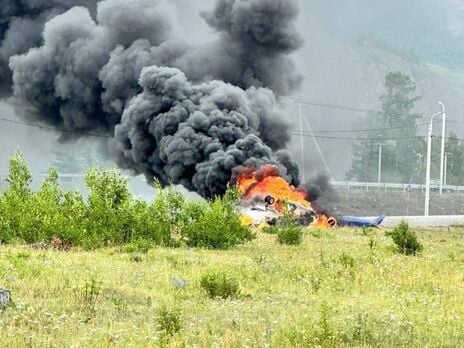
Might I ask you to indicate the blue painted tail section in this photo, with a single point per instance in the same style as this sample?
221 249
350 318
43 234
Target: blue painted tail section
356 221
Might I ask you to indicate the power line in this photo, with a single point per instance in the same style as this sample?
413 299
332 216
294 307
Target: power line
108 136
329 105
45 128
367 129
346 108
346 138
358 138
305 133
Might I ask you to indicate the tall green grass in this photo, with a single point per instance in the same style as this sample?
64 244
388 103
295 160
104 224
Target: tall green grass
337 289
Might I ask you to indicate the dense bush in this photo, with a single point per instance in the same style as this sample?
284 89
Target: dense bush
218 226
289 231
220 284
111 215
170 214
16 202
138 246
170 320
108 200
405 239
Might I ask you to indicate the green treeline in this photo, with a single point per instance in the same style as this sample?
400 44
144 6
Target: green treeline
395 129
111 215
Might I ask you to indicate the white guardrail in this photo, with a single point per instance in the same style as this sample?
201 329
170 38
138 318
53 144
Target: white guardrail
394 187
424 221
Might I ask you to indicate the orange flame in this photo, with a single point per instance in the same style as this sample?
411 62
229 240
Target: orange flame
266 181
323 221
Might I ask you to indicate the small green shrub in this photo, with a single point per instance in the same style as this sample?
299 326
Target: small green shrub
73 217
108 198
218 225
19 176
289 232
138 223
170 321
405 239
86 296
46 217
317 233
170 213
320 333
372 244
136 258
325 331
220 284
290 235
367 231
360 330
138 246
347 261
162 221
271 229
16 203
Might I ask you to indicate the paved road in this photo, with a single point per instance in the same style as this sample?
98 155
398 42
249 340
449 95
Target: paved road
423 221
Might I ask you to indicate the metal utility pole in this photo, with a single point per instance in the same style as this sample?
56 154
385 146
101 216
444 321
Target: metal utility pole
442 155
379 175
427 172
429 158
446 168
318 148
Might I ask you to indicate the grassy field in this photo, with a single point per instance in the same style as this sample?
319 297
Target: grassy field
338 288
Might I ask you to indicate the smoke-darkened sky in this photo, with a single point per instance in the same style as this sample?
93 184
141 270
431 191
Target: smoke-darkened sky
71 72
184 112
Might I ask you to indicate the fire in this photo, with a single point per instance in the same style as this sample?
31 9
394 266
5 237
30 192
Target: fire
324 221
266 182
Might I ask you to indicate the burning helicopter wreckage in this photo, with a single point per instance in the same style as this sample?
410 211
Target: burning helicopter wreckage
266 197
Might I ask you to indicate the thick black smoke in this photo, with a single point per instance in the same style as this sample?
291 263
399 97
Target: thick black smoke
321 194
255 36
59 81
186 115
194 134
21 26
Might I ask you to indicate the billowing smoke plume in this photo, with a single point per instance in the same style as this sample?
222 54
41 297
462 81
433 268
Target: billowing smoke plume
59 81
194 134
186 115
21 25
255 36
321 194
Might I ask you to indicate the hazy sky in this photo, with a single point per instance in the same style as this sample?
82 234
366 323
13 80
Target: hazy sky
35 144
349 47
